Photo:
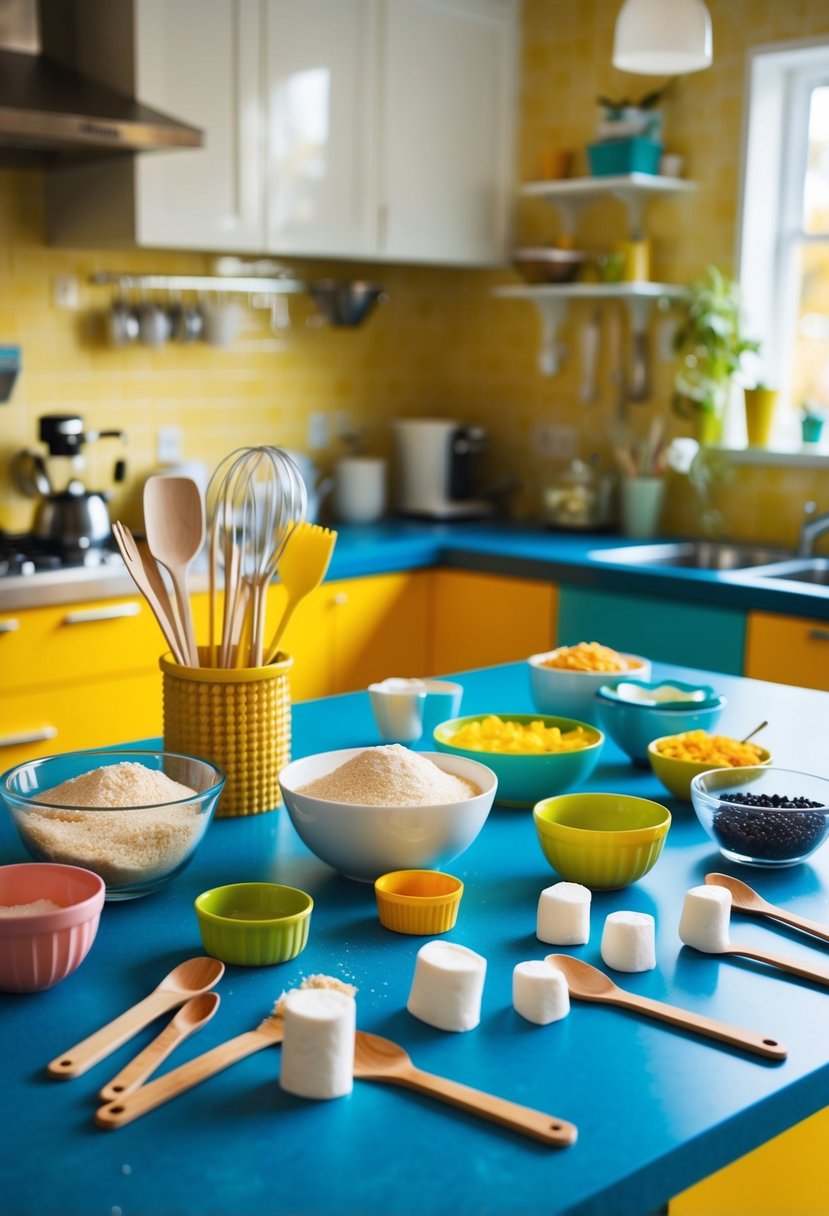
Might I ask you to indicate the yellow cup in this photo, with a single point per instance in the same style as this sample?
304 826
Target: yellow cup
636 261
760 407
418 902
240 718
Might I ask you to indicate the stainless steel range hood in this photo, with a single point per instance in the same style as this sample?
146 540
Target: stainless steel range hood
50 112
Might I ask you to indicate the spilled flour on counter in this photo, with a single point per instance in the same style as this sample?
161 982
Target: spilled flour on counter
390 776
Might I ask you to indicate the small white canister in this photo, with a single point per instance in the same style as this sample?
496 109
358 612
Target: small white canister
360 489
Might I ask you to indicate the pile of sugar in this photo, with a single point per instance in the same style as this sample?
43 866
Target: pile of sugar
145 839
329 982
35 908
390 776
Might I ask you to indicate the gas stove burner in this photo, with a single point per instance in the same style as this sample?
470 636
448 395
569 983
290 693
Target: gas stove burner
22 553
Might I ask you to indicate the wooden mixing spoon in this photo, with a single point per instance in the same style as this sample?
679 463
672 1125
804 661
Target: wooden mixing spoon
378 1059
745 899
588 983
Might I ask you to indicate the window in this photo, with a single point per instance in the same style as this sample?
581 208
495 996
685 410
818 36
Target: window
784 233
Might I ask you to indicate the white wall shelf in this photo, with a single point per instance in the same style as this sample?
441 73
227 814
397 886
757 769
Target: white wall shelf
571 195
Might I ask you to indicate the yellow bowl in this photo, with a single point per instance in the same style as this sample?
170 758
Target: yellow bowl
677 775
603 841
420 902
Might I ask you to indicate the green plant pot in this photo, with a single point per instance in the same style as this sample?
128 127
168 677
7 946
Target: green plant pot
709 428
811 429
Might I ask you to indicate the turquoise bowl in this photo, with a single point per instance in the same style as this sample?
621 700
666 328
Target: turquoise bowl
524 779
633 725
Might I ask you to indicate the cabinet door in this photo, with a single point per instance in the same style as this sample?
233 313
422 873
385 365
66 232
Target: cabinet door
308 639
321 120
199 60
479 619
694 635
788 650
448 96
380 628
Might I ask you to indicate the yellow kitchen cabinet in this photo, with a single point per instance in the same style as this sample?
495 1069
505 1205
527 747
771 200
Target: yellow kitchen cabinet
785 1177
479 619
78 714
350 632
787 650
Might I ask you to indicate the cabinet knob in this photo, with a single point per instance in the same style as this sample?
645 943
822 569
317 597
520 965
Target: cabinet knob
110 612
28 736
339 599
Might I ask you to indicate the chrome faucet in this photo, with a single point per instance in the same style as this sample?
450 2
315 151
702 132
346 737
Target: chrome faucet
812 527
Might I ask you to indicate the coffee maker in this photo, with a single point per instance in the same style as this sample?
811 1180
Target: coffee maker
436 469
69 519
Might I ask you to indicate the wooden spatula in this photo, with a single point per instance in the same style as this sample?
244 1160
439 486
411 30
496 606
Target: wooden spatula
378 1059
588 983
745 899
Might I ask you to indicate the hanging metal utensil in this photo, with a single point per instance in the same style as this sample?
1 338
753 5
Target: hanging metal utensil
639 385
589 341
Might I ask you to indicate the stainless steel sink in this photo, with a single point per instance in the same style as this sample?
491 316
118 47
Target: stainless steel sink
693 555
813 570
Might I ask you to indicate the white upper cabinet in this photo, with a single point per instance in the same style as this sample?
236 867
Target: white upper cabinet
363 129
199 61
321 122
448 90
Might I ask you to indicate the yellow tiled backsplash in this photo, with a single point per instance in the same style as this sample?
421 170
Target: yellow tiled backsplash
441 344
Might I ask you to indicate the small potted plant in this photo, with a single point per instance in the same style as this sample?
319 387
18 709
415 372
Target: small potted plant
628 135
812 418
712 344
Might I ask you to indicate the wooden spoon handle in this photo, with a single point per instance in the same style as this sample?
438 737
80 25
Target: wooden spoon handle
523 1119
179 1080
799 922
185 615
783 962
155 1053
89 1051
736 1036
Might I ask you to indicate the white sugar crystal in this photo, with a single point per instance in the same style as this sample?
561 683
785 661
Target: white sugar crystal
706 915
628 941
539 992
563 917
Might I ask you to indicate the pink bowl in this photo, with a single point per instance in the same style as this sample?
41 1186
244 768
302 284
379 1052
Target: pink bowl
39 951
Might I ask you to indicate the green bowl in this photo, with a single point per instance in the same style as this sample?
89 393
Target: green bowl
525 778
603 841
254 924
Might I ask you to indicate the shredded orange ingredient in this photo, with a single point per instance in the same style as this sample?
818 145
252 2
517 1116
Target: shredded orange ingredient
717 750
589 656
494 734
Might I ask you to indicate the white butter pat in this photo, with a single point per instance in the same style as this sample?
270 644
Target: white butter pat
317 1059
705 920
539 992
629 941
447 986
563 917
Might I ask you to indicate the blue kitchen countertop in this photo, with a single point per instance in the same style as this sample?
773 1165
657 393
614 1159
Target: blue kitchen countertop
495 548
656 1108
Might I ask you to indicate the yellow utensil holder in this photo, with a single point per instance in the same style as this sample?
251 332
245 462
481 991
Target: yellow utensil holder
240 718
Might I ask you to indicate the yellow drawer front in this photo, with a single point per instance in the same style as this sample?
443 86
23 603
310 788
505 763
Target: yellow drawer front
62 719
786 1177
479 619
44 645
788 650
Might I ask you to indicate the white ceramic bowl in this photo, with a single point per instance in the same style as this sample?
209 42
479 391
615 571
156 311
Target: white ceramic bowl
364 842
572 694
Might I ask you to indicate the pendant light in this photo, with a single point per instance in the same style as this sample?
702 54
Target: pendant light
662 37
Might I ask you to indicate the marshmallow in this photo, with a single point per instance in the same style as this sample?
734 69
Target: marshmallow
318 1047
564 915
447 986
706 915
628 941
539 992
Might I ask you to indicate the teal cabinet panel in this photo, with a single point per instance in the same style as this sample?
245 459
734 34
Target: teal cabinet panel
694 635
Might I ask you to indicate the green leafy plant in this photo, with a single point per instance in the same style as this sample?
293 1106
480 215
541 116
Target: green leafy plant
711 342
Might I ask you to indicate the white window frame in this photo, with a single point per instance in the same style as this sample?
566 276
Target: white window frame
780 79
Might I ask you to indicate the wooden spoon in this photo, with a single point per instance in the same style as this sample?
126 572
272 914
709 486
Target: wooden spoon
745 899
138 573
588 983
174 523
190 1018
188 979
377 1059
781 961
179 1080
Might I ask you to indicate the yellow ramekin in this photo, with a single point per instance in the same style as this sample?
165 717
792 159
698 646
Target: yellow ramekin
419 902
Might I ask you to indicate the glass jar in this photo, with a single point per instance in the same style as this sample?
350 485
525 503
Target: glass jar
578 498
